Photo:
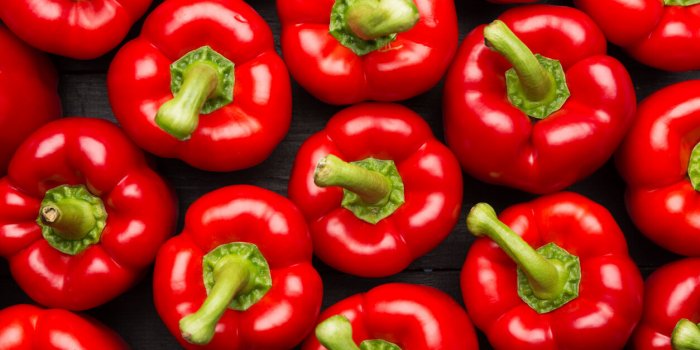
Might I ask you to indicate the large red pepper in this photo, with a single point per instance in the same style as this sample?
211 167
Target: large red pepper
660 161
551 120
393 317
81 214
671 308
578 290
397 199
82 29
30 327
28 96
203 83
664 34
239 276
347 51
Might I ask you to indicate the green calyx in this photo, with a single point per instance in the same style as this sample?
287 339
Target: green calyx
694 167
686 336
202 81
364 26
536 85
372 188
681 2
548 278
335 333
71 218
236 276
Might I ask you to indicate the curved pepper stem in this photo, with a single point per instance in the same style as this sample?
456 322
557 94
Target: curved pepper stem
373 188
548 278
202 81
536 85
681 2
236 276
694 167
364 26
686 336
335 333
71 218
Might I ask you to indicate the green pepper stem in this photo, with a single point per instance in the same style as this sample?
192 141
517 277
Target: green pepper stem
681 2
231 276
180 116
686 336
335 333
371 19
536 82
70 218
372 187
545 276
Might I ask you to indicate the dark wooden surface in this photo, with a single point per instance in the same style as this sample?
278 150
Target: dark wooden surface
133 315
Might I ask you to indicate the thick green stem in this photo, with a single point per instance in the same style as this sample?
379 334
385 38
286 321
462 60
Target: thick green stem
180 116
71 218
371 19
372 187
231 276
686 336
537 83
546 277
694 167
681 2
335 333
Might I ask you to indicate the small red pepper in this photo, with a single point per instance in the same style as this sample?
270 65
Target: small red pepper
82 29
671 305
30 327
348 51
239 276
28 97
203 83
394 316
397 199
550 120
81 214
660 160
578 290
664 34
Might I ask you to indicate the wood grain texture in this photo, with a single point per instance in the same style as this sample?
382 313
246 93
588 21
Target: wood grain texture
83 92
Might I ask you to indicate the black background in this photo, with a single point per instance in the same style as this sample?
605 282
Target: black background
83 92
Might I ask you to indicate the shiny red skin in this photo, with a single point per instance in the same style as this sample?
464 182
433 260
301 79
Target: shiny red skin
609 304
414 317
236 136
140 213
414 63
26 327
82 29
664 37
28 96
497 143
287 313
671 293
653 160
432 187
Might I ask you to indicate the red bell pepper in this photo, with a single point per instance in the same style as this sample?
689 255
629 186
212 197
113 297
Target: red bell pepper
660 161
81 214
30 327
664 34
549 121
239 276
203 83
347 51
671 305
578 290
397 199
394 316
28 96
82 29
